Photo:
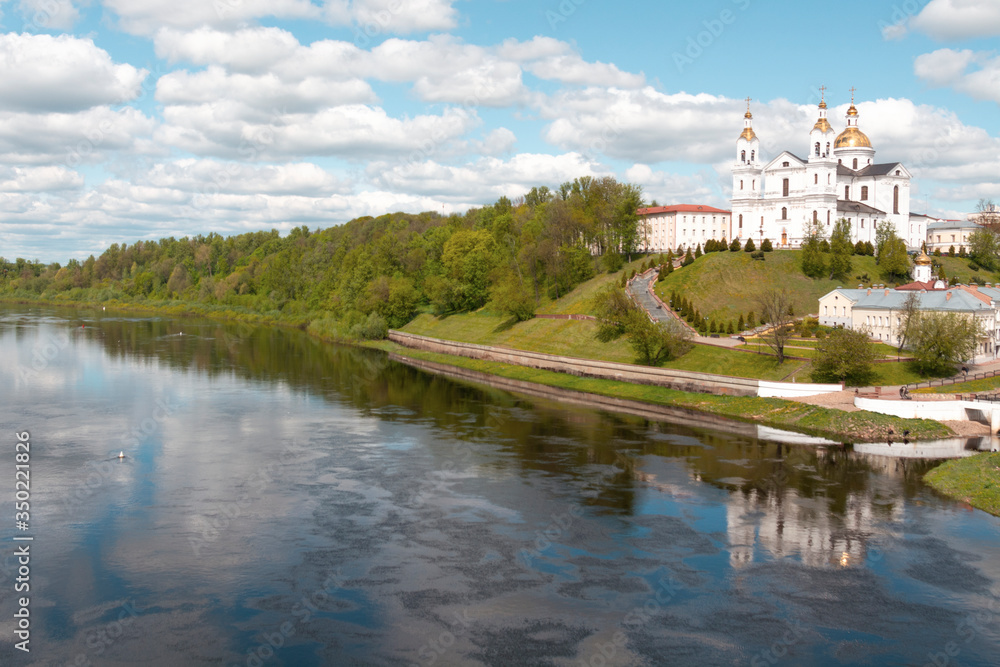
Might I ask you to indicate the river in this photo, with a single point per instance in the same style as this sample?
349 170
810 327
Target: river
283 501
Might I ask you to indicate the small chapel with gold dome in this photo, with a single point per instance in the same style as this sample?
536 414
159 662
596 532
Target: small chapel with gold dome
838 178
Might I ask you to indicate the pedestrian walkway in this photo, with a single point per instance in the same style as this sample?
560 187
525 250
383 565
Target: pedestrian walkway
641 291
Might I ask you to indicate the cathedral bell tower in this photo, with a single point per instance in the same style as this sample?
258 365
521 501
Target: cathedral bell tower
747 169
821 138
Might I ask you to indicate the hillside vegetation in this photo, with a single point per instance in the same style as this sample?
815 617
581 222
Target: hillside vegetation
359 278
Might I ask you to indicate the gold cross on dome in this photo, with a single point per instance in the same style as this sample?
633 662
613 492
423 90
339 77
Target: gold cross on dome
822 93
852 94
748 104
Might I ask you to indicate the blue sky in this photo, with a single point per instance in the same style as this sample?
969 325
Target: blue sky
123 120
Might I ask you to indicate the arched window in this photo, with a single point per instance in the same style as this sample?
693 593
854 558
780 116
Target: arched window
753 155
828 218
815 179
743 156
741 184
784 187
864 193
855 164
815 216
847 192
741 221
817 148
753 184
784 213
895 200
827 149
828 181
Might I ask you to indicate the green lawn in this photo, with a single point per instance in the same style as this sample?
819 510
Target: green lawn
975 480
577 302
984 385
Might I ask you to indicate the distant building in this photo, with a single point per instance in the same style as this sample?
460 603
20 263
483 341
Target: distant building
945 234
838 179
663 228
879 309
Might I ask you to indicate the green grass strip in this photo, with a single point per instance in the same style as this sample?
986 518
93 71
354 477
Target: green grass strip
835 424
975 480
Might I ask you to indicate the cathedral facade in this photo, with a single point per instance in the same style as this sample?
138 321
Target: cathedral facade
839 178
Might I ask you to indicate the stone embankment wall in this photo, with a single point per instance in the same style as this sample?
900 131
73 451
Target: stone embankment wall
683 380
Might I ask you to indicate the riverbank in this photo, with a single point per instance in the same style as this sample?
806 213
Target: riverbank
975 480
810 419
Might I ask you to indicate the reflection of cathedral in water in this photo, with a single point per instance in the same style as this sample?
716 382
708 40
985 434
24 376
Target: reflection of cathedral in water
783 524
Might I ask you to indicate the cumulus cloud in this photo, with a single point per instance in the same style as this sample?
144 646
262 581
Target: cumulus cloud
49 14
146 17
377 17
670 188
958 19
39 179
969 72
42 73
485 179
350 131
72 138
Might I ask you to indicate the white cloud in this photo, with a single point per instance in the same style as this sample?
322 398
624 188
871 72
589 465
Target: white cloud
64 73
250 50
959 19
379 17
669 188
352 131
485 179
146 17
72 138
49 14
643 125
975 74
39 179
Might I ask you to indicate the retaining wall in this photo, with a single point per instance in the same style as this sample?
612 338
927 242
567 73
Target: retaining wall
663 377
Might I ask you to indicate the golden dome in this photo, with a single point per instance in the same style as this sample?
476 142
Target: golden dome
852 111
748 134
852 137
922 259
748 114
823 125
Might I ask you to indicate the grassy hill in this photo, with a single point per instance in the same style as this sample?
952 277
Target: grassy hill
722 285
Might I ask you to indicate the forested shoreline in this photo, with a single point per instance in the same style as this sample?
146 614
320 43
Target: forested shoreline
370 273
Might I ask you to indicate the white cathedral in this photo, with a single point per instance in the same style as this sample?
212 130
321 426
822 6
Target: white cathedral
838 179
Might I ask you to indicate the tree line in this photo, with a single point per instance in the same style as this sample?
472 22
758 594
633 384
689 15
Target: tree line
372 272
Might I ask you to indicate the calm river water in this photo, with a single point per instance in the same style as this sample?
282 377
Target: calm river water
287 502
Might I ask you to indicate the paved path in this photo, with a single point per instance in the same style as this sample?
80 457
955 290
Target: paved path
639 289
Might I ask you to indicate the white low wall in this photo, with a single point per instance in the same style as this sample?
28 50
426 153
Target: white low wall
795 389
937 410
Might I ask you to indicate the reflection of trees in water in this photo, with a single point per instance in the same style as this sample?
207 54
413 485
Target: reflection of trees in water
600 451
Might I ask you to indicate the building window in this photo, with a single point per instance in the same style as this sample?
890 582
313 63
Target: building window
847 192
895 200
753 184
827 149
784 213
855 164
826 310
784 187
817 148
741 185
897 172
743 156
784 164
828 218
815 216
828 181
815 179
864 193
741 221
752 155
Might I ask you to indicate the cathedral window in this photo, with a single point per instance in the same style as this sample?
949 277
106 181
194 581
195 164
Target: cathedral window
855 164
817 148
827 149
897 172
753 184
743 156
815 216
847 192
895 200
828 177
864 193
741 221
741 185
784 186
784 213
815 179
828 218
784 164
752 155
